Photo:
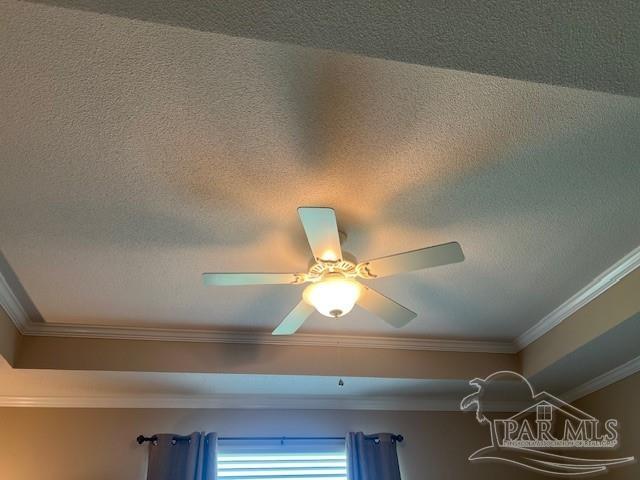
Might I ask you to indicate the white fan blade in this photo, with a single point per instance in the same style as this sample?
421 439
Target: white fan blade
322 232
391 312
231 279
294 319
416 260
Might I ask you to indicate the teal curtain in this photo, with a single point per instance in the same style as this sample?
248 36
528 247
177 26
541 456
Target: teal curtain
372 457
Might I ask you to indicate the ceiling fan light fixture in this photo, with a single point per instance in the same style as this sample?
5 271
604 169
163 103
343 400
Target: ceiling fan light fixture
333 290
333 296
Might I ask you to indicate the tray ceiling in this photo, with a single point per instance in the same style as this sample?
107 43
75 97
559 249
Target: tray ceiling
136 156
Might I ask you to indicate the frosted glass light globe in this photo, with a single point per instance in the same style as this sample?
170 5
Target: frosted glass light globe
334 295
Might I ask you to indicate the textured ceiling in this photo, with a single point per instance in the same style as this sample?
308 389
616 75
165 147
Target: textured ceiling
135 156
587 44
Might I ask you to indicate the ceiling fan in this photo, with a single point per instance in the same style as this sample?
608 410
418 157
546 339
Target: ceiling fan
333 289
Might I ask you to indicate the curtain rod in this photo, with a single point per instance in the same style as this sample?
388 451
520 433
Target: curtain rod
142 439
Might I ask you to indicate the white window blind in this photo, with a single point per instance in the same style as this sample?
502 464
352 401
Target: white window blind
286 459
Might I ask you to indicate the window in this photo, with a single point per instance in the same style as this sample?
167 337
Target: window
544 412
281 459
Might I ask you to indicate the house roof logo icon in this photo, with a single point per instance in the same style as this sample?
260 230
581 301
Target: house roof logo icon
545 423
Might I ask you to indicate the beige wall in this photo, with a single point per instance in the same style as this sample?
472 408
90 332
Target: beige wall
98 444
59 353
622 401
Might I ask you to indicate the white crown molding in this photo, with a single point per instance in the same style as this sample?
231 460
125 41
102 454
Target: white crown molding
599 285
299 402
301 339
244 401
12 306
26 326
612 376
